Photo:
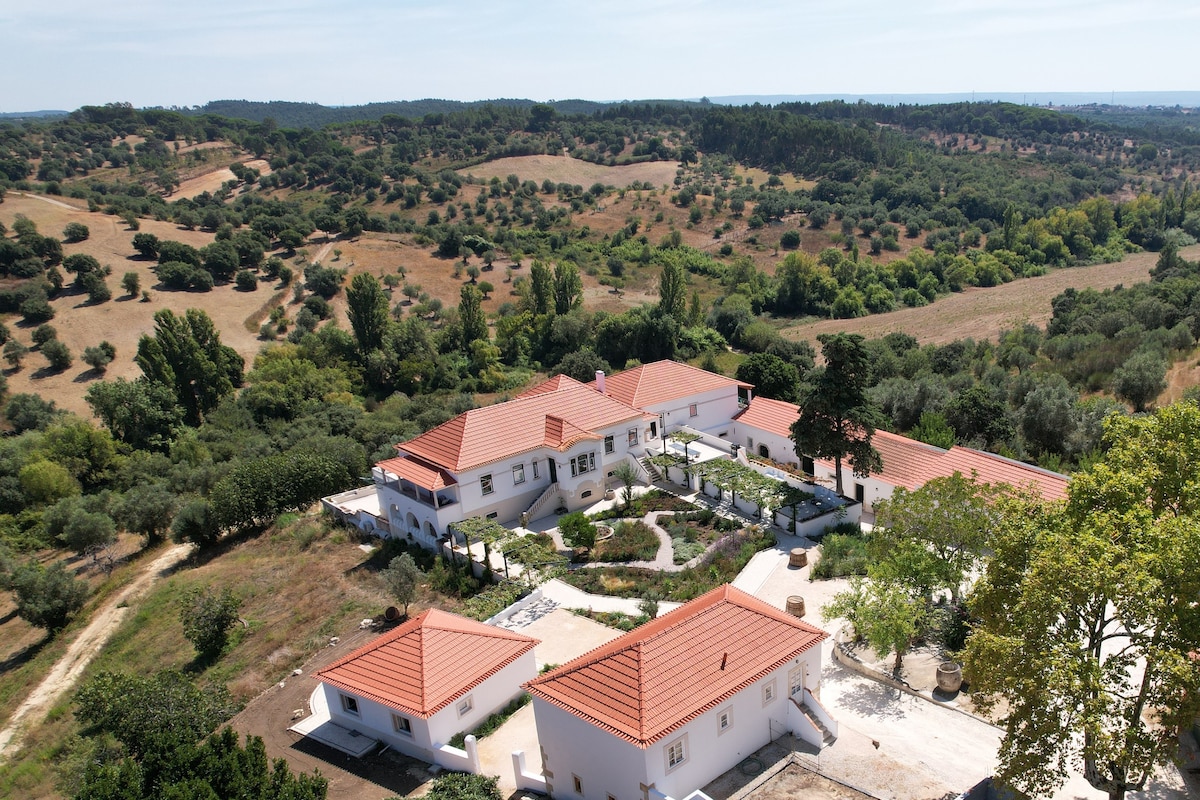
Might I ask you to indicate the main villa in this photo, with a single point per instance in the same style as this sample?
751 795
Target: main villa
556 446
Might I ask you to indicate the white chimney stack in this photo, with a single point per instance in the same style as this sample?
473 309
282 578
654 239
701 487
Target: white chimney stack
600 381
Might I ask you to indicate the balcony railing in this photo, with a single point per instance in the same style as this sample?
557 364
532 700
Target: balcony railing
412 492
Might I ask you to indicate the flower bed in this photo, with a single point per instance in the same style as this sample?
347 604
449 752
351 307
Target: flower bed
630 541
720 566
692 533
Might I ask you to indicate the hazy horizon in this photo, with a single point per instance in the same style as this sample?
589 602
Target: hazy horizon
73 53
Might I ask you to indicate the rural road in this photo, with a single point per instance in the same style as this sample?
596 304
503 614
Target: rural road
70 667
51 201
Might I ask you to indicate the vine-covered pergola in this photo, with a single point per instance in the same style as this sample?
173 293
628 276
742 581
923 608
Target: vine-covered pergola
738 479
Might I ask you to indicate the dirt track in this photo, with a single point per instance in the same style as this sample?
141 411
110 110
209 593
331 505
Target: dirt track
70 667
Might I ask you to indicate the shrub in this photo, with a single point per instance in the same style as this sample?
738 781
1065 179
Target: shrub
47 598
100 356
37 309
96 287
464 786
44 333
246 281
493 721
576 530
57 354
131 283
75 232
841 555
207 617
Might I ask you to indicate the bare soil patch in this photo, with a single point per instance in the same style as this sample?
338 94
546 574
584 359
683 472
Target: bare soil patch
1181 376
212 181
983 313
564 169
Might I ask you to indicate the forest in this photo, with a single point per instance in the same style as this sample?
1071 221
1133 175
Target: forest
774 215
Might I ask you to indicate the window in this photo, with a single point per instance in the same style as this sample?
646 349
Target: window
465 705
401 725
608 444
583 463
633 439
350 704
796 681
519 473
494 515
693 410
749 443
535 470
724 720
577 783
675 754
485 483
769 693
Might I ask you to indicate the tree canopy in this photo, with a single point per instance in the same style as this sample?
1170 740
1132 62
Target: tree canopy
1088 619
837 420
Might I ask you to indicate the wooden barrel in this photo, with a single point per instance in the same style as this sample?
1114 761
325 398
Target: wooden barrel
798 557
795 605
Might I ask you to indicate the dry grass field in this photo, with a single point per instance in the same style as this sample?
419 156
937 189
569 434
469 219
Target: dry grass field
123 319
983 313
212 181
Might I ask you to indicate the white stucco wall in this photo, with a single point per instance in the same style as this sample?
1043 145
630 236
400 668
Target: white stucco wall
714 410
781 448
609 765
605 764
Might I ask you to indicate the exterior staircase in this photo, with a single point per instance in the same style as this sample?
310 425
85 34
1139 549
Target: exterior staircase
651 470
828 737
540 503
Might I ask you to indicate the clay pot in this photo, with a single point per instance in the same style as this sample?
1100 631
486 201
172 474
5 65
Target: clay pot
949 677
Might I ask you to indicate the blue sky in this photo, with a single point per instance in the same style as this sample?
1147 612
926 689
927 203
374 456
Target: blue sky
67 53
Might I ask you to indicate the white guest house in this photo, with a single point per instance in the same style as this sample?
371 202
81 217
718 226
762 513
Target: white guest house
668 707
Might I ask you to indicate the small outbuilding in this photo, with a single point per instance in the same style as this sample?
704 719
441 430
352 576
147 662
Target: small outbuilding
436 675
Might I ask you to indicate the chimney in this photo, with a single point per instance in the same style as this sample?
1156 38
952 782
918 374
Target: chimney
600 381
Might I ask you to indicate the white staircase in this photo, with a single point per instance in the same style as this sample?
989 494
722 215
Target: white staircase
651 470
828 737
541 502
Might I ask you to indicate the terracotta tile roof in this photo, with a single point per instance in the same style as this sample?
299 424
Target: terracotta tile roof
912 464
427 663
561 434
484 435
657 678
552 385
772 416
661 382
423 475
